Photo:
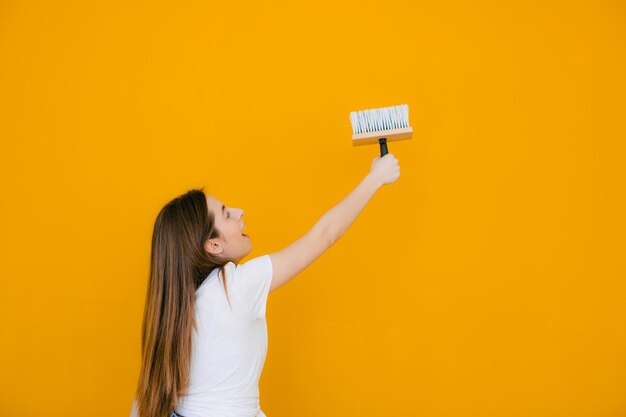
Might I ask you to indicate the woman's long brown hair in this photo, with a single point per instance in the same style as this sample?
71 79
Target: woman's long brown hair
178 265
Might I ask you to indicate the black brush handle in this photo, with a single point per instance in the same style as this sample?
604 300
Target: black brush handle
383 146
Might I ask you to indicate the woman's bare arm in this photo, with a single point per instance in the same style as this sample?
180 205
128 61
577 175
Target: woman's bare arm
288 262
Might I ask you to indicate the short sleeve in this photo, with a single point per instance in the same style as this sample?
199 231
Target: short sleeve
252 283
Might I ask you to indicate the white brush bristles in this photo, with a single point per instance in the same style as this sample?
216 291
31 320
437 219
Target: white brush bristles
392 123
385 118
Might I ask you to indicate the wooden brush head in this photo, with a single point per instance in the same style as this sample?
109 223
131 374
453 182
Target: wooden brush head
391 135
373 125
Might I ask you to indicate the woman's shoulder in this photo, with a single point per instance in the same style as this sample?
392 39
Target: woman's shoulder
217 272
252 265
232 270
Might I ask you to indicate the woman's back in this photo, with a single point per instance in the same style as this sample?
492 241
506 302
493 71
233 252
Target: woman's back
230 345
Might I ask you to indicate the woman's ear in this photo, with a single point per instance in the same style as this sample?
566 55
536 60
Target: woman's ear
213 247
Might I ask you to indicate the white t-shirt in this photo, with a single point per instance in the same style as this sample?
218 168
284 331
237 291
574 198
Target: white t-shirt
230 345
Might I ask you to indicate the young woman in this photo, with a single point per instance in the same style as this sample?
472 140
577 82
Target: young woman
204 334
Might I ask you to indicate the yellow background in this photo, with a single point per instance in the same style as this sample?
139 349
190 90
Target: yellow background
488 281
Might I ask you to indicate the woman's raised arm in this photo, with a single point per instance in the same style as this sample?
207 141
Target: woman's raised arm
290 261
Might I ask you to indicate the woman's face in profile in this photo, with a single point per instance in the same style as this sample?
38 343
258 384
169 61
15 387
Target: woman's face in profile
233 243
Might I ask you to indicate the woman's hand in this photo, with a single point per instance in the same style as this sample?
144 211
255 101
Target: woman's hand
134 411
385 169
